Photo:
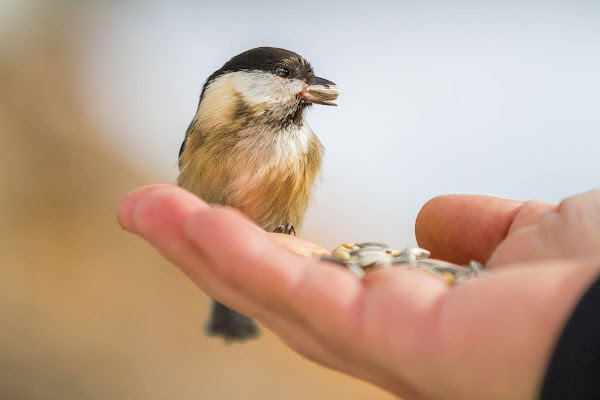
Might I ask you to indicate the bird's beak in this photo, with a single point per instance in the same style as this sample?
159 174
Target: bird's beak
320 91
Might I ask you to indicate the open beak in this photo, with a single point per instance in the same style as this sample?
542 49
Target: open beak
320 91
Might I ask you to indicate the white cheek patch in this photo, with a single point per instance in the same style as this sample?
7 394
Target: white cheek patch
218 98
259 87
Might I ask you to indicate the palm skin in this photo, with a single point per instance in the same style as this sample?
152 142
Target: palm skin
403 330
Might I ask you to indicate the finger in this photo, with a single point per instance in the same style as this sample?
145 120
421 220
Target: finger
159 216
461 228
157 213
316 292
544 231
531 213
128 203
525 239
295 296
294 243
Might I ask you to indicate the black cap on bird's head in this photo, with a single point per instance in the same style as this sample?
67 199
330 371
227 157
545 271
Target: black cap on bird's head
272 75
272 60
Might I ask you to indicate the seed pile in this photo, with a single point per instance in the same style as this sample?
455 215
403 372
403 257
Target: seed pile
360 258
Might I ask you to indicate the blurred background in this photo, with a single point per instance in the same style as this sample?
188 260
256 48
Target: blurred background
499 98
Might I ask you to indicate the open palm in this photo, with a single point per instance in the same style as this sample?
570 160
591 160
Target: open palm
404 330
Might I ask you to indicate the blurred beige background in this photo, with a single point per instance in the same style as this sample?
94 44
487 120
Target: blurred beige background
437 97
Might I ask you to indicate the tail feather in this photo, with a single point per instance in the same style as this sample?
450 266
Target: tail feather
230 325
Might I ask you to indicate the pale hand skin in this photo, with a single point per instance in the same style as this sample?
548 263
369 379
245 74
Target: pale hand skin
404 330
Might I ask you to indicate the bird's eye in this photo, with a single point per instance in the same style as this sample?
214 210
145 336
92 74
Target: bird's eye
283 72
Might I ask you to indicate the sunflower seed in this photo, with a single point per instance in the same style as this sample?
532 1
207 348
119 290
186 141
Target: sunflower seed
362 257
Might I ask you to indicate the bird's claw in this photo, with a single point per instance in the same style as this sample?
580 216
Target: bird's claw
287 229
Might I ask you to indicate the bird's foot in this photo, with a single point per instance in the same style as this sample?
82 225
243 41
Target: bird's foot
287 229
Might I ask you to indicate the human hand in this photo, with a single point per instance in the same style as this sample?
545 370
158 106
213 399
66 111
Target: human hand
498 232
401 329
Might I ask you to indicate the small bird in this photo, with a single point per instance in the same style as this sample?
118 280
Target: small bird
250 147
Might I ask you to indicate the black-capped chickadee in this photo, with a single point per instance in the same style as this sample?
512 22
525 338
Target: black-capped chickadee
250 147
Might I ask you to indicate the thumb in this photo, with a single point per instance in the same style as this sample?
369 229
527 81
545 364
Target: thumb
461 228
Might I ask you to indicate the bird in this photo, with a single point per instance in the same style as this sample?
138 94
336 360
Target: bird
250 147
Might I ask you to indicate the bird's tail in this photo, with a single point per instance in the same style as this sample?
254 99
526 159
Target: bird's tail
230 325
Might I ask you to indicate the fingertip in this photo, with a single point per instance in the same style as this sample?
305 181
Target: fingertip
433 222
162 206
426 219
130 201
460 228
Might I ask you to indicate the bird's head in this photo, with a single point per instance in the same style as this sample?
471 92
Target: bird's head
264 85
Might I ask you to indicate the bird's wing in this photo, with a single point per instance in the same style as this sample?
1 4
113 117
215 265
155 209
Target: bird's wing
181 149
203 170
